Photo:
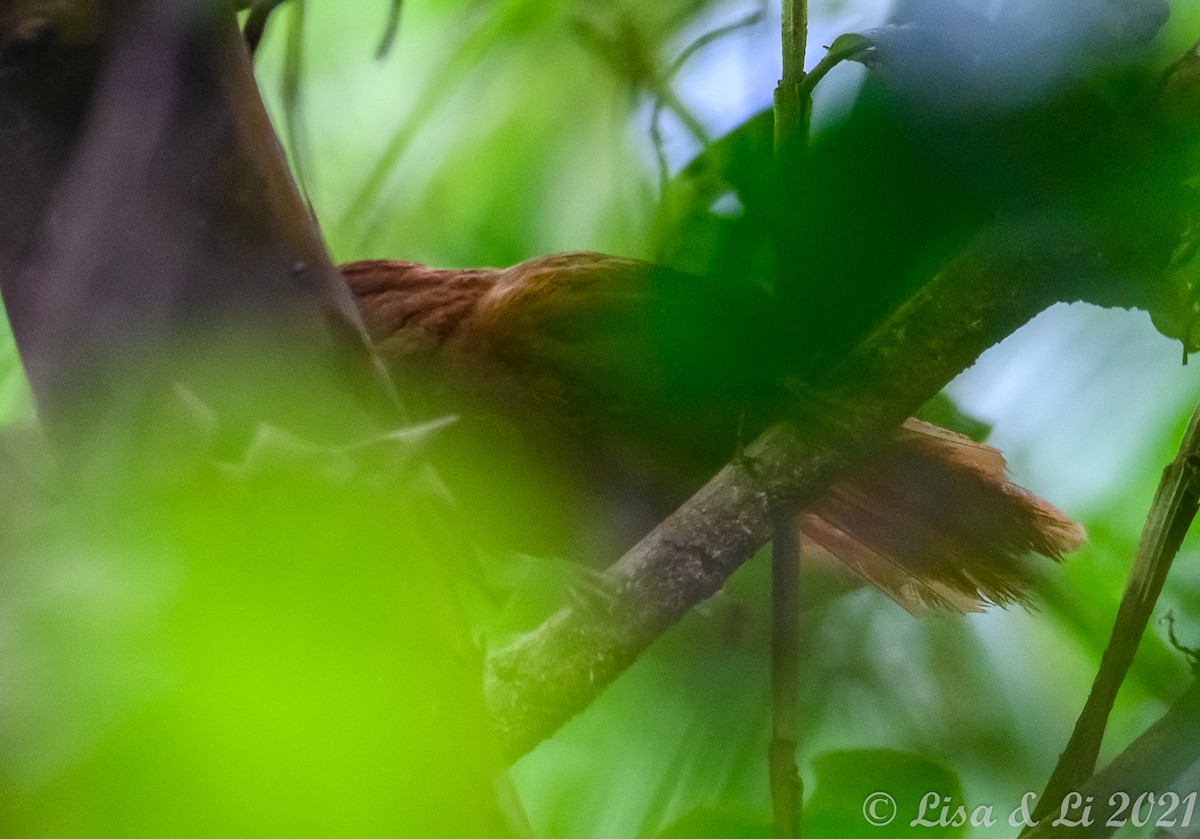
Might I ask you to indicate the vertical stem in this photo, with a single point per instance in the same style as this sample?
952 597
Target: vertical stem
793 106
1171 514
793 109
786 789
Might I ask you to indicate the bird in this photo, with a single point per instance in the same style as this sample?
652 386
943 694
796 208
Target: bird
599 392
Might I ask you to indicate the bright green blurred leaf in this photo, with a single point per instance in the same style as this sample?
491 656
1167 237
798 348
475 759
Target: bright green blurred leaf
712 823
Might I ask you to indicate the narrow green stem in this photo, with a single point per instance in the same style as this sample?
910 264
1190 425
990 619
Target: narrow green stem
846 48
793 109
787 792
671 102
792 105
795 39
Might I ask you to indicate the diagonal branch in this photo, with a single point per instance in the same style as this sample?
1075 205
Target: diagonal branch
1008 274
1166 750
1171 514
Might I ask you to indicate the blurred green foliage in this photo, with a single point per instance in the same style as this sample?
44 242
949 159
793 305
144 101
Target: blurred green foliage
261 646
492 132
872 792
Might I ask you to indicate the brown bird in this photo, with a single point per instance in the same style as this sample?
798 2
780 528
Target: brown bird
596 393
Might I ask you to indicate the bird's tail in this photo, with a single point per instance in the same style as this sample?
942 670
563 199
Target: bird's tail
933 521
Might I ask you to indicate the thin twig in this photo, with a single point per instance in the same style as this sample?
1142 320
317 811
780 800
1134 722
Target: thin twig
710 37
792 108
787 790
656 134
1171 514
666 96
1114 796
1190 653
660 151
849 47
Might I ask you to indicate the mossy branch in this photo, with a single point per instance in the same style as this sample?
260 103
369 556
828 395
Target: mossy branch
1009 273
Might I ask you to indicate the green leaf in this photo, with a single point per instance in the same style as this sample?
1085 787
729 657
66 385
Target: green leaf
851 47
878 793
717 823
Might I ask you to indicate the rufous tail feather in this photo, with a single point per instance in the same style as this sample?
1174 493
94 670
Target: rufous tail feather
933 521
